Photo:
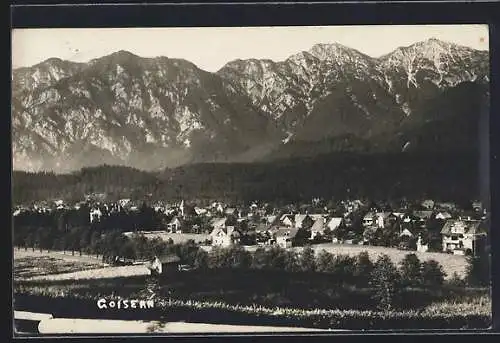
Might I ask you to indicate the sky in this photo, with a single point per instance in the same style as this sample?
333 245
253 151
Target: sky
211 48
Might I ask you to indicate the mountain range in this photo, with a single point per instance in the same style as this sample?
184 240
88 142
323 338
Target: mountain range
152 113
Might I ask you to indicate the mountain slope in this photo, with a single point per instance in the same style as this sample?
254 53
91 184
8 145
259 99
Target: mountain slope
150 113
122 108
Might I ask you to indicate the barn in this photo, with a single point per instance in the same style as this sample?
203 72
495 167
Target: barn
164 264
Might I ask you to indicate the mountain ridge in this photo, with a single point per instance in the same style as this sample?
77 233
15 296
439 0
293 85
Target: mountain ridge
156 112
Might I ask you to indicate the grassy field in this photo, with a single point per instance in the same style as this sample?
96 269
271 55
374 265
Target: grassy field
55 265
178 238
35 264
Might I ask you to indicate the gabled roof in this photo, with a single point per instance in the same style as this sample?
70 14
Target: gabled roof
319 225
369 215
287 232
334 222
228 231
383 214
406 232
217 222
443 214
468 226
422 214
169 258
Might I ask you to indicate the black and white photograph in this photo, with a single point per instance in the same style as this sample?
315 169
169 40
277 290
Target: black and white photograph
228 180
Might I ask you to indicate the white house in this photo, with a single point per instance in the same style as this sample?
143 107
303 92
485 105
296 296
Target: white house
382 219
422 247
175 226
285 237
218 223
225 237
95 214
461 235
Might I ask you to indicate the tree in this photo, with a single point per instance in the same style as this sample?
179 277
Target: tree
307 260
201 260
385 282
239 257
291 261
344 268
259 259
324 262
478 270
29 241
432 273
410 269
364 268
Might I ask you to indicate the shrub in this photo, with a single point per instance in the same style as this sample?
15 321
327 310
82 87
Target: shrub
410 269
364 268
385 281
307 260
478 270
433 274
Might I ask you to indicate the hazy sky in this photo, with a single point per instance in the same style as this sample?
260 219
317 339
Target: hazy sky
211 48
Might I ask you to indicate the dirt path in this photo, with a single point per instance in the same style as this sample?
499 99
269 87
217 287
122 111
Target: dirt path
94 326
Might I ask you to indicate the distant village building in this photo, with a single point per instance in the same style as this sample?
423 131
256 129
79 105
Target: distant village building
165 264
95 214
225 236
318 228
175 225
428 204
443 215
420 246
285 237
461 236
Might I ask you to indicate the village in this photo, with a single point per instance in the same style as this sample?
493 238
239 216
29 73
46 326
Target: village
425 226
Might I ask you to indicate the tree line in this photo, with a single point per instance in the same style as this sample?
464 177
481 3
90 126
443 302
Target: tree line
355 175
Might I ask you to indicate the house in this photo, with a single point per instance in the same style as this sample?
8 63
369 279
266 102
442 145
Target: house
285 237
448 206
428 204
406 233
175 225
287 220
443 215
368 219
421 217
318 228
370 234
225 236
230 211
477 206
420 246
218 223
271 219
382 219
124 202
165 264
262 228
95 214
461 236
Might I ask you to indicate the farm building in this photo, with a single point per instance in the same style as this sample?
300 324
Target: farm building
165 264
461 236
285 237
